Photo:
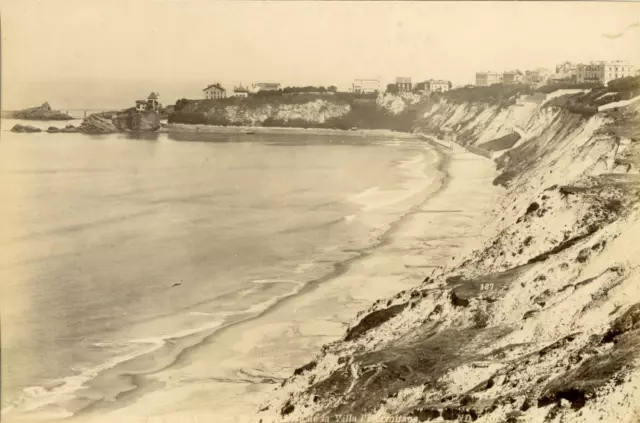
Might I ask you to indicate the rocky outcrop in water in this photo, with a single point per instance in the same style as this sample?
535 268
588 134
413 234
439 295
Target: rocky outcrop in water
97 124
43 112
67 129
132 120
25 128
122 121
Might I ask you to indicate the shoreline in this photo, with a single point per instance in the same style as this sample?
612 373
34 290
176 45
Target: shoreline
347 275
169 128
99 388
138 379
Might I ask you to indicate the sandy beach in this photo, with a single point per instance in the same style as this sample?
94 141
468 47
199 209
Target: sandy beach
232 370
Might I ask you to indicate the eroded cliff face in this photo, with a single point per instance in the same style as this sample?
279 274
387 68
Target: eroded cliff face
261 112
539 324
318 111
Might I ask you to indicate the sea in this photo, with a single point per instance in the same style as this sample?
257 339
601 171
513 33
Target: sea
156 264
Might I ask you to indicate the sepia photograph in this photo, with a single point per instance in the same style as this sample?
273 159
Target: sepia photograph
319 211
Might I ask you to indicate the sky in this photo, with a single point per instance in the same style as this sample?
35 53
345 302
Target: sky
103 54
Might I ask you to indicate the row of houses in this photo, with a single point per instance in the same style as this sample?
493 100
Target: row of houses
403 84
600 72
216 90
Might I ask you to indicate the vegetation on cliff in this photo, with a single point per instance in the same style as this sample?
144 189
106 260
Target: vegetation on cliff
498 94
587 103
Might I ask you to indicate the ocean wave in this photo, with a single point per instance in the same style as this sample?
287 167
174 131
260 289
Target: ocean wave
55 393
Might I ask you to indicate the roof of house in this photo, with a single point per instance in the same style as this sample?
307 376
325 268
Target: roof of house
403 80
216 86
240 90
153 96
437 81
266 84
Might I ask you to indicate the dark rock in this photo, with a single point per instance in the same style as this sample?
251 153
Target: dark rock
307 367
436 310
532 207
458 301
96 124
69 129
630 320
583 255
288 408
467 399
562 246
373 320
66 129
542 298
584 282
613 206
564 288
562 342
25 128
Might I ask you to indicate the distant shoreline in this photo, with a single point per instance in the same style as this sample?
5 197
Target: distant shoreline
213 129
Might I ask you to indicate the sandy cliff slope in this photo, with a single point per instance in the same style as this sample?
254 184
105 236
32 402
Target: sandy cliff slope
541 323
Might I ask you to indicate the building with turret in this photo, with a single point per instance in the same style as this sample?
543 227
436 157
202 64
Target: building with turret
152 103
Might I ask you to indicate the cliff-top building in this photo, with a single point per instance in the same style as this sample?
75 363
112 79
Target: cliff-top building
602 72
513 77
365 86
240 91
565 72
537 76
151 103
485 79
214 91
437 85
404 84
